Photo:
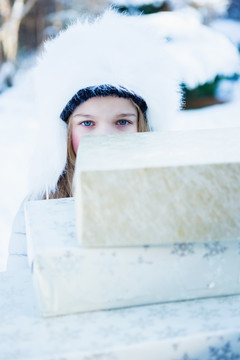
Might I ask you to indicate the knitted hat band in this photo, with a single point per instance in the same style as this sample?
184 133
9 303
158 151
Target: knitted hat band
101 90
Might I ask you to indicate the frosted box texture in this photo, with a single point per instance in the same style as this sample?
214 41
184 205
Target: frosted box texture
70 278
158 188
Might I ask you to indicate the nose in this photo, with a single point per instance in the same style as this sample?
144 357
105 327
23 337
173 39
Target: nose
104 129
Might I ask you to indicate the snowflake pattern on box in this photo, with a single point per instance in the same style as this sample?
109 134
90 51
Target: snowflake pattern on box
183 249
223 353
213 249
187 357
105 356
239 247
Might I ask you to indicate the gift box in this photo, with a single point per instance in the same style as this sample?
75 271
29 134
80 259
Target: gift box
158 188
70 278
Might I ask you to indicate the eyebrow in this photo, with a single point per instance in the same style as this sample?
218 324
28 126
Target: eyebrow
126 114
83 115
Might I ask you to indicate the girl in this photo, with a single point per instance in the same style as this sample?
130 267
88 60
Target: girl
115 62
113 75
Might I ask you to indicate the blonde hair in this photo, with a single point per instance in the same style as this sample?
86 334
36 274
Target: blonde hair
64 186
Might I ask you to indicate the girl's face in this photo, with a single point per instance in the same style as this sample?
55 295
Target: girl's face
102 116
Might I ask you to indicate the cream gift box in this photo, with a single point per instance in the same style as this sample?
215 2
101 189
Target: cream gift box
70 278
155 188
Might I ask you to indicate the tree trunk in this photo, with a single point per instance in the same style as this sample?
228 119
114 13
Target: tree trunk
12 17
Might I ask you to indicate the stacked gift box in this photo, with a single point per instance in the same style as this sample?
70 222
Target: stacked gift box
155 218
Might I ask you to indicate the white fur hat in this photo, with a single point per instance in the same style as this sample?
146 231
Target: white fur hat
115 50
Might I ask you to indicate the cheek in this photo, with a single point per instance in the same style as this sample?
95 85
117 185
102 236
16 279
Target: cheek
76 137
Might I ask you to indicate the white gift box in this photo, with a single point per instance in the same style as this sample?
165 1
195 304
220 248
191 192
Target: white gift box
158 188
70 278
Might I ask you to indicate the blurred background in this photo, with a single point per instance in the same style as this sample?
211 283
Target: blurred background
25 24
203 36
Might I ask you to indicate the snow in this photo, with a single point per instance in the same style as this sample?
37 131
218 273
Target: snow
207 8
228 27
216 116
16 142
200 52
197 62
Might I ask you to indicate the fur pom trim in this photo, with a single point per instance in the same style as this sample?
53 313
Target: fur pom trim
115 49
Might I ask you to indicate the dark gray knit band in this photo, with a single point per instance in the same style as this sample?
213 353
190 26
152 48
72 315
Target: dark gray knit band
101 90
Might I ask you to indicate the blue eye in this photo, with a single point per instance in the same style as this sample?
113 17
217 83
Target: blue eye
87 123
122 122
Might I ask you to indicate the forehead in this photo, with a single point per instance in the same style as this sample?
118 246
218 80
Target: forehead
106 103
